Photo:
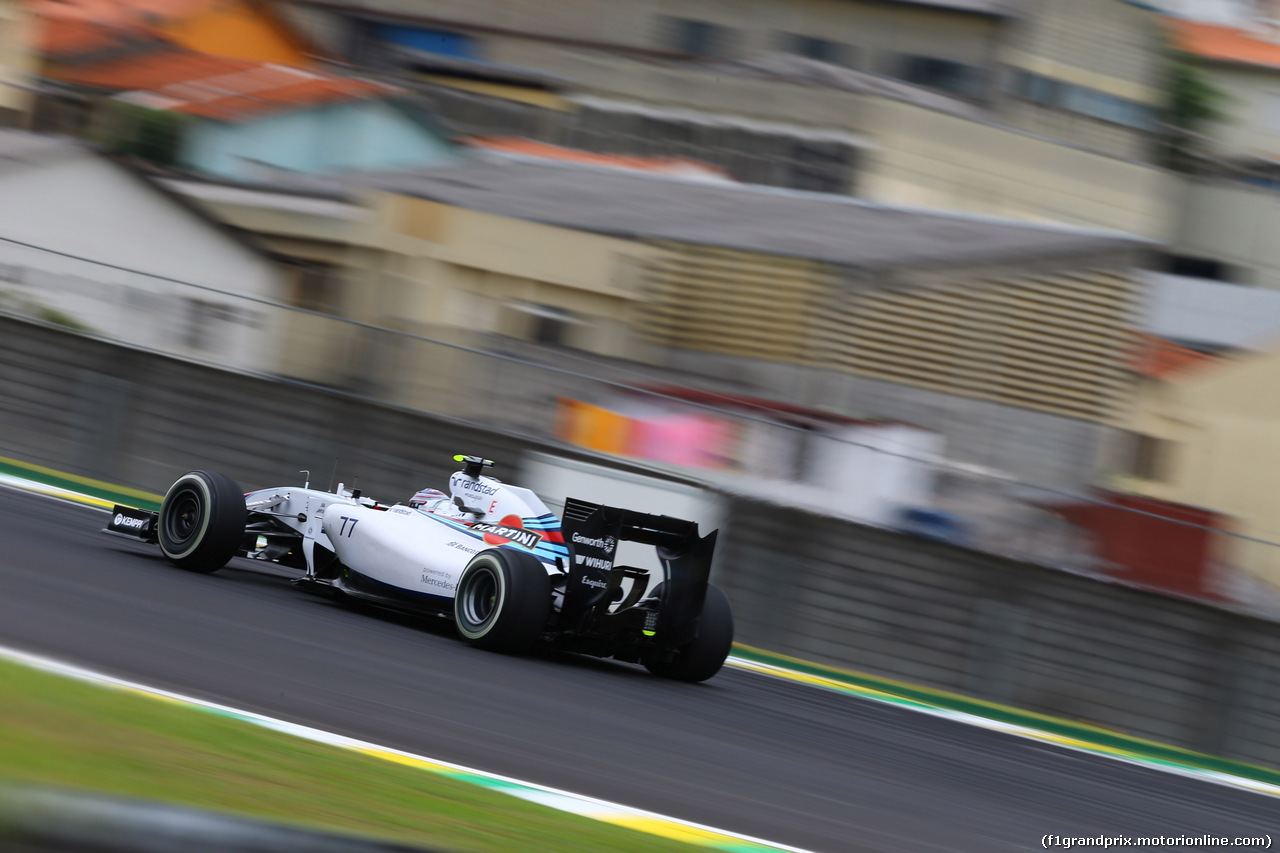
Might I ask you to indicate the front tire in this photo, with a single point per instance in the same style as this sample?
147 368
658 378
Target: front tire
503 601
702 657
202 521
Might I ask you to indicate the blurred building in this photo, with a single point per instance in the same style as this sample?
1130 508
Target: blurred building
1200 430
18 62
1043 111
1084 71
239 29
1154 544
1229 204
1208 316
872 471
441 271
140 87
1009 339
1208 434
92 244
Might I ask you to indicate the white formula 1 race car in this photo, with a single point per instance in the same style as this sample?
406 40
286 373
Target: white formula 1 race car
490 555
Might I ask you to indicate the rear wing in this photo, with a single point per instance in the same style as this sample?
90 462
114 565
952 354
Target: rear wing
592 532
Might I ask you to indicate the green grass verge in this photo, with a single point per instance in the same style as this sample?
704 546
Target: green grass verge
83 485
1106 738
58 731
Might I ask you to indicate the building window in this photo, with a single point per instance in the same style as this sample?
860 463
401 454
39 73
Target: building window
202 328
824 167
817 48
543 324
1148 457
1044 90
314 286
946 75
549 330
1200 268
1081 100
697 38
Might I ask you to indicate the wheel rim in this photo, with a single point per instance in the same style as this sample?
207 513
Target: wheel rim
181 522
480 598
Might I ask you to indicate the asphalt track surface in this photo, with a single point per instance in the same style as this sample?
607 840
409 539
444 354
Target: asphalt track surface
769 758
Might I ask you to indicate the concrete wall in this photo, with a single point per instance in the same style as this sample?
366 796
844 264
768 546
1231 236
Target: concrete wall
1099 44
1010 632
140 419
930 159
1035 447
1232 222
833 591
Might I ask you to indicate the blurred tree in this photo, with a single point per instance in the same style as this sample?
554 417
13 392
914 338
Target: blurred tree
154 136
1193 105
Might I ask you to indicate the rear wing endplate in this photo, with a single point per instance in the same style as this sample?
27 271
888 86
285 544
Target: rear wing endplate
592 532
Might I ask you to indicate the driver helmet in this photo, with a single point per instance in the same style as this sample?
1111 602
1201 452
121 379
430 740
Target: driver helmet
427 496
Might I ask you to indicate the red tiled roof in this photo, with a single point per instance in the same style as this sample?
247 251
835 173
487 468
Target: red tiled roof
85 29
1157 358
1229 44
321 89
64 38
74 28
122 11
217 87
151 70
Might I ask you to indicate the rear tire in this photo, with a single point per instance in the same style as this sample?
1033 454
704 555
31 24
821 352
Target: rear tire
503 601
701 658
202 521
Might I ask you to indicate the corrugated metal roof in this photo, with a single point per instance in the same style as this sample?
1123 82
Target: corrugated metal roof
1054 341
831 228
